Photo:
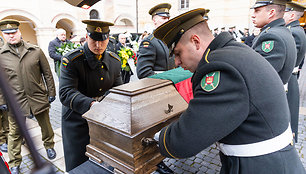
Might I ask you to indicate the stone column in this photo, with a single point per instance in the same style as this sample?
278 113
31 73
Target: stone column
44 36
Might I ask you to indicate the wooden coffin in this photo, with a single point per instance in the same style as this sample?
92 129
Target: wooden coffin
128 114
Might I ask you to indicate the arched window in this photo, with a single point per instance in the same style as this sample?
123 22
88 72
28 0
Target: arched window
94 14
184 4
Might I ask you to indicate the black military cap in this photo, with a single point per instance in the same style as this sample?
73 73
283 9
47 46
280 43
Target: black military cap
9 25
215 29
171 31
261 3
97 30
161 10
206 14
294 6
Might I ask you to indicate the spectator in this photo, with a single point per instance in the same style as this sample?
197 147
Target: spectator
82 41
249 40
57 42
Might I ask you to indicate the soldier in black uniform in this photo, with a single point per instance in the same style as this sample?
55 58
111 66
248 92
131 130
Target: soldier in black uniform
153 53
87 74
275 42
242 108
294 12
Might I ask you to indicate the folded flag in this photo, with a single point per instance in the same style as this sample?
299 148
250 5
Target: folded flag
181 79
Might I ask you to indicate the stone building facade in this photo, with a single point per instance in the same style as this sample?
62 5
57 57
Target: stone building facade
40 18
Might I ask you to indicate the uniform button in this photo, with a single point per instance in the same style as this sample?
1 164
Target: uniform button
102 66
100 89
101 78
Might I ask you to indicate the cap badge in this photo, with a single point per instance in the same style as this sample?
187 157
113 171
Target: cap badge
210 81
8 26
167 10
182 31
98 29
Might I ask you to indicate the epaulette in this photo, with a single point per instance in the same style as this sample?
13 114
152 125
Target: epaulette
112 37
114 55
266 30
150 37
71 56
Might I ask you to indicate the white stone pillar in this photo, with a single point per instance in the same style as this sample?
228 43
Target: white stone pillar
44 36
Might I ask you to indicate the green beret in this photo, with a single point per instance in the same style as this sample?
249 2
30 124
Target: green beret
171 31
294 6
97 30
261 3
9 25
160 10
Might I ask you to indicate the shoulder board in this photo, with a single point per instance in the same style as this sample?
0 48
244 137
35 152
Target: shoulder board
71 56
150 37
112 37
114 55
266 30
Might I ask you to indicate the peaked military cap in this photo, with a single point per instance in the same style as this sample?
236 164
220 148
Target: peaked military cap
223 28
97 30
9 25
161 10
215 29
294 6
206 14
261 3
171 31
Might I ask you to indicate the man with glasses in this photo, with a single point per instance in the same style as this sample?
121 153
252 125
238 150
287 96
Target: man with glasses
87 73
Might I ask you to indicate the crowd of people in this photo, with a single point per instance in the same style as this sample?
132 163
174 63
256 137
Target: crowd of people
251 112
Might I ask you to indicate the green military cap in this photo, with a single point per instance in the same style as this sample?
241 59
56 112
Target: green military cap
9 25
223 28
261 3
294 6
171 31
97 30
215 29
246 29
161 10
206 14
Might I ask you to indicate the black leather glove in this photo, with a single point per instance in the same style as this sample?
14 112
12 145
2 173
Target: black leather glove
51 99
3 107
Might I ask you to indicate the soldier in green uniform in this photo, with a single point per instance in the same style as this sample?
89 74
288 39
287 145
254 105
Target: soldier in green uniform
31 78
4 128
294 12
153 56
275 42
243 109
87 73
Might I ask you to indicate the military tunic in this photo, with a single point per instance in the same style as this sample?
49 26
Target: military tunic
247 105
276 44
83 78
153 56
293 94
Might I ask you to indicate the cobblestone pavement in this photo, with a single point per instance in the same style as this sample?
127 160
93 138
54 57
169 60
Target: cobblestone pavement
206 162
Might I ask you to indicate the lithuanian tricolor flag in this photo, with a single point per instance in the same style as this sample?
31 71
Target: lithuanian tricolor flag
181 79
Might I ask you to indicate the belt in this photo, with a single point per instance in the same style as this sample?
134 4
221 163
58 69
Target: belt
286 87
260 148
295 70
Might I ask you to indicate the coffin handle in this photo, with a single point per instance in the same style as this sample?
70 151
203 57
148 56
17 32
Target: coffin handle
170 109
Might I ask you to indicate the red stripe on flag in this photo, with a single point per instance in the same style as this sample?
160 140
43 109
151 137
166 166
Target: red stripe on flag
185 89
